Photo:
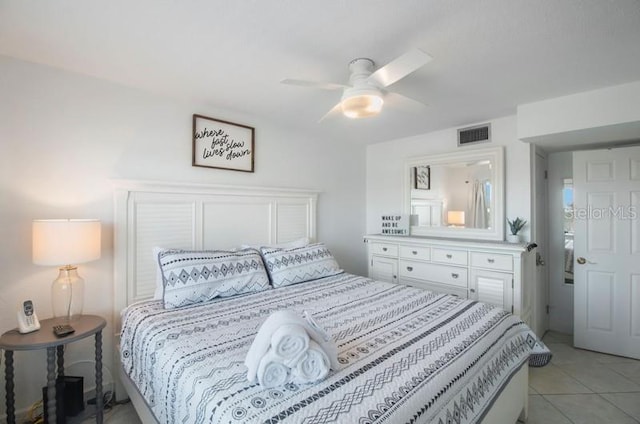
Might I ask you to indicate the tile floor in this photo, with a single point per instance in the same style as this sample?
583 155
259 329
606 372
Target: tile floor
577 387
583 387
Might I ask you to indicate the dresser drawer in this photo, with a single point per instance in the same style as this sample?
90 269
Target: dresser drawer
442 274
415 252
385 249
449 256
492 261
438 288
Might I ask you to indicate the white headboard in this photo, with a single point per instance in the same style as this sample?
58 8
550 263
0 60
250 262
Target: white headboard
197 216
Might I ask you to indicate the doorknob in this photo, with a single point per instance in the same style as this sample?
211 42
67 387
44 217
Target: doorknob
583 261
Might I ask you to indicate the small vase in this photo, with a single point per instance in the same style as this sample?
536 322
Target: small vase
513 238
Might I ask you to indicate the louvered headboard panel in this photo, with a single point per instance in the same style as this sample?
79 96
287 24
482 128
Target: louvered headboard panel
197 216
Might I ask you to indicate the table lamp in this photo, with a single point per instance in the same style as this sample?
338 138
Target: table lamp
455 218
64 243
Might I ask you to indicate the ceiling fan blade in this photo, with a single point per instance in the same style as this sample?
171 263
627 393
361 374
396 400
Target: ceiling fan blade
399 68
399 101
314 84
337 109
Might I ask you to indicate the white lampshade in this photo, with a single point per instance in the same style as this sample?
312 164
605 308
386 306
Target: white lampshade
455 217
65 241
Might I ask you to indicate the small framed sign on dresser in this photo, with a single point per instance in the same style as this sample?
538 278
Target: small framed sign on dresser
394 225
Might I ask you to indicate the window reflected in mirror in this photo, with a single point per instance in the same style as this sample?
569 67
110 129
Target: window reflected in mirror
567 206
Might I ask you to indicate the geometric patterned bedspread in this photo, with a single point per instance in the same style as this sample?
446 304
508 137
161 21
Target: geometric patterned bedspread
407 355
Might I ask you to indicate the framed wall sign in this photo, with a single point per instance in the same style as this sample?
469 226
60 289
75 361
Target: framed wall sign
222 144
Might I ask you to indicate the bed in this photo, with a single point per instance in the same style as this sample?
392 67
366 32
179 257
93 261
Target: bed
407 355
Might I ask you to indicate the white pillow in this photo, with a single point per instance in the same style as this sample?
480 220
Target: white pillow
157 294
296 265
159 290
196 276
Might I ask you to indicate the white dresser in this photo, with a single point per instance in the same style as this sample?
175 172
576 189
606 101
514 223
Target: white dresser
498 273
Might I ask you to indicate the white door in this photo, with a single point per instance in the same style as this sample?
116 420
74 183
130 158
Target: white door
607 250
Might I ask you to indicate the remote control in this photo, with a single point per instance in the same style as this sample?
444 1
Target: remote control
62 330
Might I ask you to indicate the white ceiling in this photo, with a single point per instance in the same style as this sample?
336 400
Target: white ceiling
489 55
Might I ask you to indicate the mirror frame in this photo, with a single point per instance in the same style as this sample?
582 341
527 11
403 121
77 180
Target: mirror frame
496 156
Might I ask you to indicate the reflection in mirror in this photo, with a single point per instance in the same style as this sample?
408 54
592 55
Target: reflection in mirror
567 205
458 194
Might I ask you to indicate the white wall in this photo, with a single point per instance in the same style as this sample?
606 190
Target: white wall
64 136
590 117
560 166
385 168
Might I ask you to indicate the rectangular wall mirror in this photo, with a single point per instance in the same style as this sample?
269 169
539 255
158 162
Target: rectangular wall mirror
458 194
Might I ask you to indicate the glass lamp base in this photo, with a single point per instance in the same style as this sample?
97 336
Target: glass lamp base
67 293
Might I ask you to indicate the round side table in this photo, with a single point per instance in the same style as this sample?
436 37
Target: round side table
84 325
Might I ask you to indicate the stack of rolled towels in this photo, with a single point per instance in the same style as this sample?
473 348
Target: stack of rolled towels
290 348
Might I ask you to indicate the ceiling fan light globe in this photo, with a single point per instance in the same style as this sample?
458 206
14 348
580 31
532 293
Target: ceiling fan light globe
361 106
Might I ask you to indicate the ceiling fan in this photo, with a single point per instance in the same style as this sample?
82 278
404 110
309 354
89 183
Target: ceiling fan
366 92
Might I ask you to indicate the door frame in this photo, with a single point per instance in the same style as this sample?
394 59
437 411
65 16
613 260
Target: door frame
539 235
560 166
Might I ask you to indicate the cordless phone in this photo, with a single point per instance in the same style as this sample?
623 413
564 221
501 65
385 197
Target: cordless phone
27 318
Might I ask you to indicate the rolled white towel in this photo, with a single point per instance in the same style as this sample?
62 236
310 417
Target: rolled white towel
262 341
312 366
320 336
271 371
289 341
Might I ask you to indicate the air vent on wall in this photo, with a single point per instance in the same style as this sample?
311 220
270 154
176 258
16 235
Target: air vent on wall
475 134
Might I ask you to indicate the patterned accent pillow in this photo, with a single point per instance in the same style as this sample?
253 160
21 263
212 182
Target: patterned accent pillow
296 265
198 276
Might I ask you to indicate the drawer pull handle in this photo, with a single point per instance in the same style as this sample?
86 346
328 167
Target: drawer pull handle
454 275
491 260
449 256
415 252
384 249
409 268
472 290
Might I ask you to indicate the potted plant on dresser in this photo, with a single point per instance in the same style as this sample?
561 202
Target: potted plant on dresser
515 226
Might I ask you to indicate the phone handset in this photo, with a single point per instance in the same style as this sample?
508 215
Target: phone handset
27 318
